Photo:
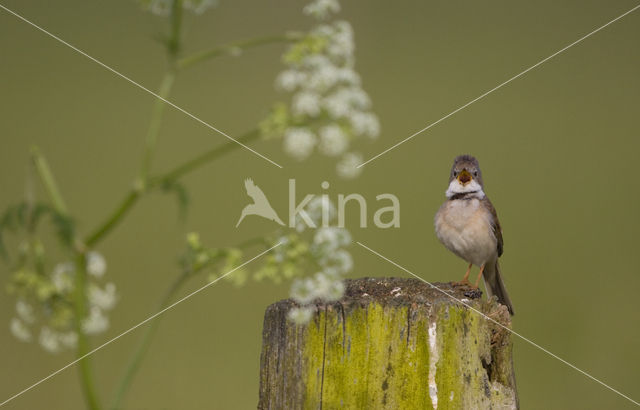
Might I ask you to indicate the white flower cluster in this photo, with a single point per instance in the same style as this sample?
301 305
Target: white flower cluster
333 260
56 296
321 9
320 210
163 7
328 109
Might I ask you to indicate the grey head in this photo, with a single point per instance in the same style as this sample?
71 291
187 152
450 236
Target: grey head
466 169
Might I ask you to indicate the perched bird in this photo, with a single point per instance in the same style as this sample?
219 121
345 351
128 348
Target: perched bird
260 205
467 224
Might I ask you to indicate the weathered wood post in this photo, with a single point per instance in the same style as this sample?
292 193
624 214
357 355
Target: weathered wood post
390 343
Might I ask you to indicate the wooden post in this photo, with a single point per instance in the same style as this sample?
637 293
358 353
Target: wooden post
390 343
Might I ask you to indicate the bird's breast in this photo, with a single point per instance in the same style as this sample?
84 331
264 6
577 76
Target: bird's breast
464 227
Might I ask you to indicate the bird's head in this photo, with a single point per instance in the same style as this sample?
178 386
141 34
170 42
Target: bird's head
465 177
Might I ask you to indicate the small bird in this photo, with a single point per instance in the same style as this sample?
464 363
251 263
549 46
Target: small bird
467 224
260 205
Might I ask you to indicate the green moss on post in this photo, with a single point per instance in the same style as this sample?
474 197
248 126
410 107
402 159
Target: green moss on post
388 344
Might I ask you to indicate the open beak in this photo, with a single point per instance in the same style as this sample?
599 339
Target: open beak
464 177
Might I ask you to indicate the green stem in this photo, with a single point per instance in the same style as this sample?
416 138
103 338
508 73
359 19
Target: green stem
173 45
154 125
141 185
234 48
49 182
173 48
204 158
143 346
86 377
121 210
80 297
178 172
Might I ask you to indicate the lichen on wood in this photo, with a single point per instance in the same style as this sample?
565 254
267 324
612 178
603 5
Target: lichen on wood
389 343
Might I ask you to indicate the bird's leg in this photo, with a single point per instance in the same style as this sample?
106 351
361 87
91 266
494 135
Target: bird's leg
479 276
465 280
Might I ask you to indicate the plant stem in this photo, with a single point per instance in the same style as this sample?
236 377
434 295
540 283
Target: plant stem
154 124
173 45
121 210
173 48
49 182
178 172
86 377
234 48
204 158
80 297
143 346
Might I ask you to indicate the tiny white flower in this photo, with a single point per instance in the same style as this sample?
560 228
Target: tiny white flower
348 76
337 105
323 285
347 167
96 265
160 7
289 80
337 263
364 123
102 298
329 239
335 291
306 103
342 45
323 78
300 315
333 141
321 9
62 277
357 97
319 206
20 330
25 311
303 291
299 142
96 322
49 340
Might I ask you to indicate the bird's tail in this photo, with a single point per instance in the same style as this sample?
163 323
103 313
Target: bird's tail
495 286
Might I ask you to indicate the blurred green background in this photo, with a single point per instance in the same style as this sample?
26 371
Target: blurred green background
558 148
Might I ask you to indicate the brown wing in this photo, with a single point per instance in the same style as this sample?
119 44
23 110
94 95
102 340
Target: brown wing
495 223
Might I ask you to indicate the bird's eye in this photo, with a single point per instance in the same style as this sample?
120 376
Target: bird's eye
475 173
455 173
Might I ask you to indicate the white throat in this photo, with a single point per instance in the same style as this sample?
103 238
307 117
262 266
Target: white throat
456 187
